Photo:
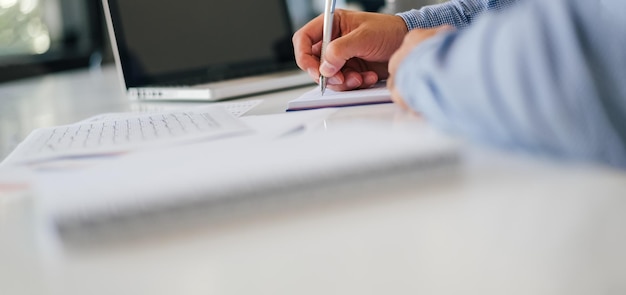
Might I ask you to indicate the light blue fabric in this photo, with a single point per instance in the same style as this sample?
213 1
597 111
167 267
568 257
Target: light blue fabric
546 76
458 13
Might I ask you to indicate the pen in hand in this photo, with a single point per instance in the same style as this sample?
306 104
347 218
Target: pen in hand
329 11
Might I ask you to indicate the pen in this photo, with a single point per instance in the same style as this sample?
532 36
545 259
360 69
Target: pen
329 11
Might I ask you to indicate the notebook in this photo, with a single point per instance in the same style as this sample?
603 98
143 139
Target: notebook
176 189
314 99
202 50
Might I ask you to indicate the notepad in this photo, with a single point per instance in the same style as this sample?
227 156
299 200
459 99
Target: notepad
178 188
314 99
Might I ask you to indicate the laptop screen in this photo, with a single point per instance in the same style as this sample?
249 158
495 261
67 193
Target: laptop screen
195 41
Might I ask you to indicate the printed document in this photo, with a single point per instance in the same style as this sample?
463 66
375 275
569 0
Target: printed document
127 133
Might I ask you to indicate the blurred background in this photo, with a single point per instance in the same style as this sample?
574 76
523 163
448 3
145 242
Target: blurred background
44 36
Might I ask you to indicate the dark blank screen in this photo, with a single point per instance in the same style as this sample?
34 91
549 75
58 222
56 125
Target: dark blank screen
165 37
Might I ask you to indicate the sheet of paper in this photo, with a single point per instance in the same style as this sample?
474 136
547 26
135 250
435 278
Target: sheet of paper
314 98
265 127
237 109
125 133
269 127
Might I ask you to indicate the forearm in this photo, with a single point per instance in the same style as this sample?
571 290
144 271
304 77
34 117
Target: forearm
530 86
457 13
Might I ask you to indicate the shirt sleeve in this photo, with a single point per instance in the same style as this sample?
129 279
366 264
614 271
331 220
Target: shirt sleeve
458 13
547 77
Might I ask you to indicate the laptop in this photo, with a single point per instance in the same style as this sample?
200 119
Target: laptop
202 50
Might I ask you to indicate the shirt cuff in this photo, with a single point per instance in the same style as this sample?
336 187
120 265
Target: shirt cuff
413 80
412 19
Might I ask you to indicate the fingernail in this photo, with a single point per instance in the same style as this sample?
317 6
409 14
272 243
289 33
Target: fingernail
353 83
334 80
327 69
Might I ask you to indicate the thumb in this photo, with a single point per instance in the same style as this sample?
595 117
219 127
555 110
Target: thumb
339 51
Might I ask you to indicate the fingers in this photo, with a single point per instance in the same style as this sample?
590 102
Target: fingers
307 48
371 37
395 95
359 54
338 52
411 40
355 80
358 74
305 43
352 80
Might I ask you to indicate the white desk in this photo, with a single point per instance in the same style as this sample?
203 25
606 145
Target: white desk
509 224
72 96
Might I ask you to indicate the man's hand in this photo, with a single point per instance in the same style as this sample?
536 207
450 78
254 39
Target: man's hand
358 55
411 40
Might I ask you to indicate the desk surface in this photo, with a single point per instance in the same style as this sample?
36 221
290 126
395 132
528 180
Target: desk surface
68 97
508 224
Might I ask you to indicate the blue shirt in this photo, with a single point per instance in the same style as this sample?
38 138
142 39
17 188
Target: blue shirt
458 13
546 76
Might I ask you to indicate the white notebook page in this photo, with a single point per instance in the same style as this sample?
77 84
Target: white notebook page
314 98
